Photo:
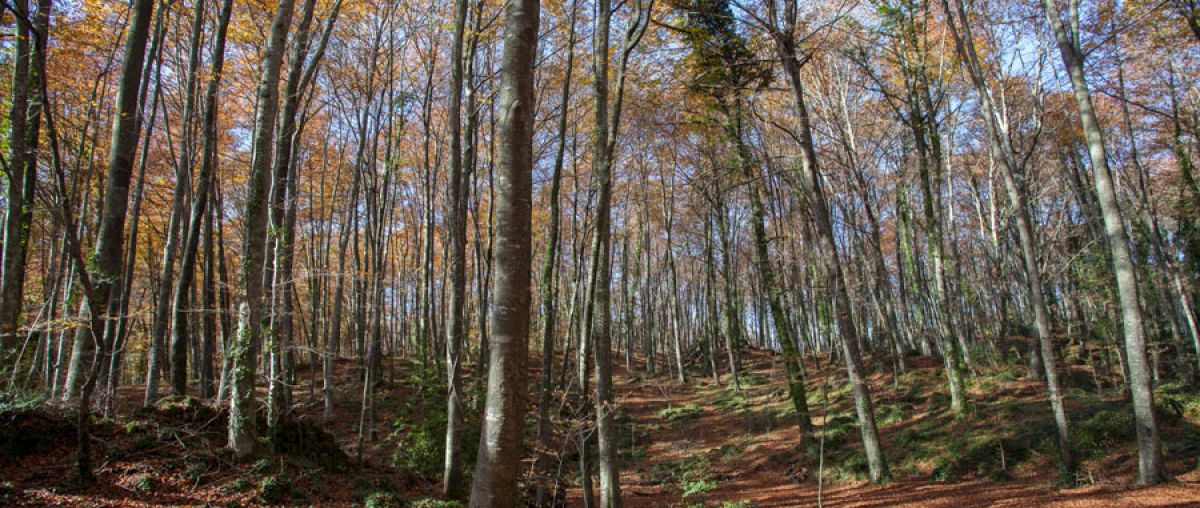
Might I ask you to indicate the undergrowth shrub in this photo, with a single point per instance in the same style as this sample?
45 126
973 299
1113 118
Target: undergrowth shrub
419 431
145 482
274 489
680 414
1103 430
1177 402
430 502
690 476
382 500
888 414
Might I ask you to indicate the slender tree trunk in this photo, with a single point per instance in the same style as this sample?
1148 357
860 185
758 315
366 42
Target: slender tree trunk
252 313
812 189
549 266
199 214
795 372
179 335
1150 458
1008 161
457 215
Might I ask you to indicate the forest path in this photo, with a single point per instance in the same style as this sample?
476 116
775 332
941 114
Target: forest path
700 443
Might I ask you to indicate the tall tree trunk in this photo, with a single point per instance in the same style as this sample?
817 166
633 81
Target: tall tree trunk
29 76
810 182
457 215
199 214
16 240
791 359
549 265
244 351
106 265
1008 161
600 283
179 335
1150 458
497 466
604 140
154 63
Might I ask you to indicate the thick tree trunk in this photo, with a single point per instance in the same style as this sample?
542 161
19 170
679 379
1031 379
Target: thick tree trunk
105 269
497 466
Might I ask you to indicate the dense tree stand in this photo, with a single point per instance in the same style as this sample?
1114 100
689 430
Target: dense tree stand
599 253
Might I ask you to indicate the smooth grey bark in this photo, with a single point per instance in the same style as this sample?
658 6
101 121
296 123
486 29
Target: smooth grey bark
277 267
224 300
457 218
102 278
155 62
1150 458
600 281
497 466
810 184
244 350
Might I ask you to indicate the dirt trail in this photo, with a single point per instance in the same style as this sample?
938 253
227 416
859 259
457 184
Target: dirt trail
751 459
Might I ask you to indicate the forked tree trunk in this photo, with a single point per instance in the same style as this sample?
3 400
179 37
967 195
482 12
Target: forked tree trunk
1008 161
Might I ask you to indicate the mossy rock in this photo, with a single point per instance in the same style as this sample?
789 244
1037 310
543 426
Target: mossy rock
306 439
28 429
185 410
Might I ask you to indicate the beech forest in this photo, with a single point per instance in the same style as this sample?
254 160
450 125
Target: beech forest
600 253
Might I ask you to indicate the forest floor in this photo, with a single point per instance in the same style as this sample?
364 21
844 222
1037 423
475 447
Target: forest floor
691 444
701 443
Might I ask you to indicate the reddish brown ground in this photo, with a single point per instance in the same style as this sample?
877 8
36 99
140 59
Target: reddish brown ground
752 449
768 473
43 479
